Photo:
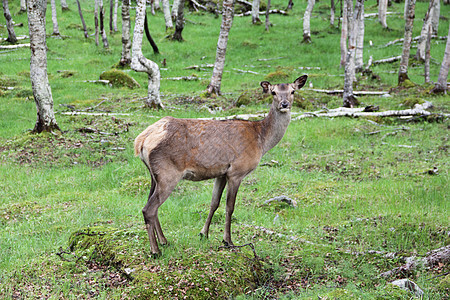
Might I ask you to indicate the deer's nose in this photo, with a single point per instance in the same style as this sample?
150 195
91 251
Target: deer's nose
284 104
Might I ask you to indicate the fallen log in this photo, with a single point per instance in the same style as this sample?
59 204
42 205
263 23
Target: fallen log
358 93
14 46
387 60
272 11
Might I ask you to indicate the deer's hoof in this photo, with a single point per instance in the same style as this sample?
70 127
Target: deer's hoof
203 236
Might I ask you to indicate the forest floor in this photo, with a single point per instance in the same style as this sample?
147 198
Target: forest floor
370 192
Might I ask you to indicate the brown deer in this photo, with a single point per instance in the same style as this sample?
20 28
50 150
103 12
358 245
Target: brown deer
175 149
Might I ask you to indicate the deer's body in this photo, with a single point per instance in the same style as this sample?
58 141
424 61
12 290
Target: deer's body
175 149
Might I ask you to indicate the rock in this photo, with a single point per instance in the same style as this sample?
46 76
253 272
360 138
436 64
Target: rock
282 199
408 285
119 79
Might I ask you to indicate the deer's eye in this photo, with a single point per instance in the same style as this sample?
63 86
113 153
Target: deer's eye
273 93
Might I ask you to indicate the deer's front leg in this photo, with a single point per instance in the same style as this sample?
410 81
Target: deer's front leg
219 185
233 186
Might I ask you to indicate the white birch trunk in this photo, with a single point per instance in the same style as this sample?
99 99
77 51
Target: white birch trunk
64 6
420 54
54 19
359 63
382 9
102 25
141 64
12 38
125 60
349 75
23 6
116 7
176 4
427 56
332 12
167 17
403 70
227 21
255 12
38 67
441 84
306 22
96 21
86 35
435 12
344 33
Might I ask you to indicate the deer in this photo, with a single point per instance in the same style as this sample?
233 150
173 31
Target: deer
225 150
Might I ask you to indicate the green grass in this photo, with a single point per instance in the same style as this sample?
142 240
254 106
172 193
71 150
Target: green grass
356 192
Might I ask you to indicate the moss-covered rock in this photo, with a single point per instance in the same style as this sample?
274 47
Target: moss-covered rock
280 75
410 102
119 79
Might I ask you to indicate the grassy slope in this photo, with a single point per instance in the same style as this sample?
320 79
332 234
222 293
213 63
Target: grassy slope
356 192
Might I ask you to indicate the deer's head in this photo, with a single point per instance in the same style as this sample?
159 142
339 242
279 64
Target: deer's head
283 94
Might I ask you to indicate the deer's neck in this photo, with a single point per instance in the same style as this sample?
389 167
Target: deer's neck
273 128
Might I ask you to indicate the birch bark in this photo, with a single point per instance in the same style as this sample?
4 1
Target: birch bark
403 70
382 9
176 4
86 35
344 33
96 21
435 13
167 17
12 38
54 19
141 64
125 60
332 12
102 27
359 63
349 99
441 84
306 22
116 7
427 55
23 6
38 67
255 12
420 54
227 21
179 24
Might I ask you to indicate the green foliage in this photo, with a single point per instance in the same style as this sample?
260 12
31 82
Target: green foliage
119 79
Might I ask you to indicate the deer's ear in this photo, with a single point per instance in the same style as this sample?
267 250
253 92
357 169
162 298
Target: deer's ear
265 85
300 82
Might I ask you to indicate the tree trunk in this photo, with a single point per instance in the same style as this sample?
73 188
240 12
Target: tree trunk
125 60
102 27
111 16
116 7
23 6
344 33
54 19
441 84
167 18
64 6
9 23
176 4
86 35
332 12
382 9
227 21
96 21
179 25
435 12
255 12
306 22
290 5
38 67
403 70
359 63
420 54
149 36
427 56
141 64
267 16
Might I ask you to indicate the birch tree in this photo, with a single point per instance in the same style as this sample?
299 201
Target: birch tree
38 67
344 33
141 64
23 6
176 4
306 21
179 24
403 70
227 21
435 13
80 12
125 60
96 21
441 84
255 12
64 6
332 12
12 38
54 18
102 27
382 9
116 7
167 17
359 63
426 27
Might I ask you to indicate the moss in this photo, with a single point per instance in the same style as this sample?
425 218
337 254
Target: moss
407 84
244 99
302 102
444 284
66 73
281 74
393 292
7 81
119 79
410 102
341 294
